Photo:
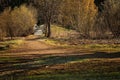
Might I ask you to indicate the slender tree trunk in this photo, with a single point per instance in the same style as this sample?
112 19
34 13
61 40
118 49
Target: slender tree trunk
48 30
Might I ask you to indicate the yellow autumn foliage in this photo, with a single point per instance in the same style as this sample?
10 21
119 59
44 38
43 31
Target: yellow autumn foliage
18 21
78 14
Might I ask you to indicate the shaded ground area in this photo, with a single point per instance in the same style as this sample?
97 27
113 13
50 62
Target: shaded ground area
35 60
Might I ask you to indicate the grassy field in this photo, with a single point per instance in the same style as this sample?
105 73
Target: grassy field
10 44
59 59
94 66
93 47
69 66
61 68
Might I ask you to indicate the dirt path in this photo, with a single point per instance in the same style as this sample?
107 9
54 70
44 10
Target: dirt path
29 55
36 47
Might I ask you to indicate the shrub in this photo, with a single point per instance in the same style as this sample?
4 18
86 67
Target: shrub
112 16
17 22
23 20
4 23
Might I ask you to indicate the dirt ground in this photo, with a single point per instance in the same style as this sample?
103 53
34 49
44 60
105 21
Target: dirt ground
32 47
28 56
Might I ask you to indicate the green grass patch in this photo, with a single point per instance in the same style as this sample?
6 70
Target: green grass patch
85 47
61 32
54 43
10 44
102 47
3 59
67 76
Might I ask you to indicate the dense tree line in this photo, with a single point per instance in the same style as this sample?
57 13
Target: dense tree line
107 20
91 18
13 3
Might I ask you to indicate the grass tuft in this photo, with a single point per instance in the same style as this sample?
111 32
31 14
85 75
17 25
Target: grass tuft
10 44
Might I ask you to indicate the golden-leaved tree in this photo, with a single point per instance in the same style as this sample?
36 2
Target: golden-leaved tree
111 15
17 22
78 14
87 13
23 19
5 19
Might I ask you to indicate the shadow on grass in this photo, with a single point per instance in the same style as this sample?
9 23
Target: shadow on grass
64 59
21 66
4 47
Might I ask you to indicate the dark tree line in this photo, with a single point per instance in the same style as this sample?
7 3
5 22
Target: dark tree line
99 3
11 3
91 18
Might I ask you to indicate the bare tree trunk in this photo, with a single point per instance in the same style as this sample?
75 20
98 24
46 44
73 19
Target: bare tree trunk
48 30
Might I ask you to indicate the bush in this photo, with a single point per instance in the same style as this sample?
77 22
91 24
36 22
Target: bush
112 16
17 22
108 23
79 15
4 23
23 20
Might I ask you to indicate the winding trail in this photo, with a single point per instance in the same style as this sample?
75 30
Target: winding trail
31 48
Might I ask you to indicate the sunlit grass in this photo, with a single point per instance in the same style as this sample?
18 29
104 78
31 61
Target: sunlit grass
101 47
85 47
59 32
3 59
15 42
10 44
